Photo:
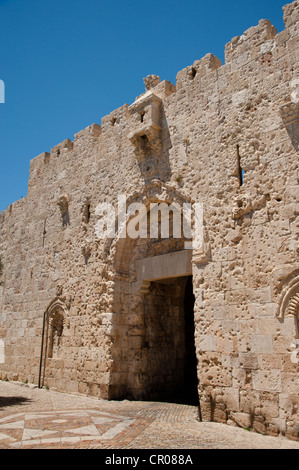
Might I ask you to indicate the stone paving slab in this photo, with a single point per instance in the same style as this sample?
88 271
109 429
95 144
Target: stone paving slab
32 418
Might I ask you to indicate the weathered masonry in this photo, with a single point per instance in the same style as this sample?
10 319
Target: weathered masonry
146 318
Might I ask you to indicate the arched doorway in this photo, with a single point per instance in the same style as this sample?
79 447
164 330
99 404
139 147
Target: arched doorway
152 329
54 321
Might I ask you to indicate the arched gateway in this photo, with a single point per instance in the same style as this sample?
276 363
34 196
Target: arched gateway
153 352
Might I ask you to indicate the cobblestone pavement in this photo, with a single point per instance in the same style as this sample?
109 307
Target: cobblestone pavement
43 419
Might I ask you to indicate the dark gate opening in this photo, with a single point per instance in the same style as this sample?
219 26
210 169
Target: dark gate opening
171 370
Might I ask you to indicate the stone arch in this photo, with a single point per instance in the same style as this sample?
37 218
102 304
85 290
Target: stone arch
56 328
57 304
56 318
133 302
289 299
155 192
289 302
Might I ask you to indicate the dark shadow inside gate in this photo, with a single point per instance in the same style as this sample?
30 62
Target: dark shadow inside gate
171 366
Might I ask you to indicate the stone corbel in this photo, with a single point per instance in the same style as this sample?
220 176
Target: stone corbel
147 142
145 122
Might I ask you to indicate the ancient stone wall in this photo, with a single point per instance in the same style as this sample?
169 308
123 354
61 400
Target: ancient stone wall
74 314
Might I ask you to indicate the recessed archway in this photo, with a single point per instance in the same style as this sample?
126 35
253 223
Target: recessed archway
148 338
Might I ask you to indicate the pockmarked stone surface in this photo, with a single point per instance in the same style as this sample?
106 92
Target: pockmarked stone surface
155 256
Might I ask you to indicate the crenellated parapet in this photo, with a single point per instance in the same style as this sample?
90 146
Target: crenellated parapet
108 293
140 122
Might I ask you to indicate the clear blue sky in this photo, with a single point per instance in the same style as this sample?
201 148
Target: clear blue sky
68 63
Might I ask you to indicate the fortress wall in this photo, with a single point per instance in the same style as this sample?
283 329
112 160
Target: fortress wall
215 122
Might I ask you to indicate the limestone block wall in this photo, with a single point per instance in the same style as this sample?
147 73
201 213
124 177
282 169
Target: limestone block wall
226 136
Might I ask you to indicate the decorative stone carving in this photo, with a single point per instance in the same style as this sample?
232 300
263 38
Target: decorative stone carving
241 205
244 204
290 117
60 304
289 300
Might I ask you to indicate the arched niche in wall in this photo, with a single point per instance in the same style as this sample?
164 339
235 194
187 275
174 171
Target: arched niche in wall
56 319
289 302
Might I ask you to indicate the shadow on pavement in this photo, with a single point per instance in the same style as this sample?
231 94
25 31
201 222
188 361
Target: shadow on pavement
11 401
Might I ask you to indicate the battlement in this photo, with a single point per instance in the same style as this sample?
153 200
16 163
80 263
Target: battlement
291 15
243 49
88 310
258 43
209 63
